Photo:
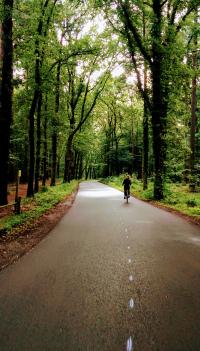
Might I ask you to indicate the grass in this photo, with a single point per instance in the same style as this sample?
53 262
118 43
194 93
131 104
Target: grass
33 208
177 196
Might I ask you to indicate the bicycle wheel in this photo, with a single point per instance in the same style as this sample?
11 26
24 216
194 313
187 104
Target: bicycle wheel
126 195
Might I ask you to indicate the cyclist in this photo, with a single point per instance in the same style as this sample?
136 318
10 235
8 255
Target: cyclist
126 183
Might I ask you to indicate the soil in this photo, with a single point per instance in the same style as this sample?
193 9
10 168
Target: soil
22 240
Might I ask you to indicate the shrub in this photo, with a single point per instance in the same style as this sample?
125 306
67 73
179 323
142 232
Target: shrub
191 203
44 189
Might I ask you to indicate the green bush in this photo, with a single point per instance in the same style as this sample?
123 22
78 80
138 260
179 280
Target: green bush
191 203
44 189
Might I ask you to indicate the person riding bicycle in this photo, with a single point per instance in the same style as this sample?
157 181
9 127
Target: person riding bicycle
127 183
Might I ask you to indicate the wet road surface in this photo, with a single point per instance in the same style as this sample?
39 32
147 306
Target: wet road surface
110 276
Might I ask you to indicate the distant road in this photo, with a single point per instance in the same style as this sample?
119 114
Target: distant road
110 276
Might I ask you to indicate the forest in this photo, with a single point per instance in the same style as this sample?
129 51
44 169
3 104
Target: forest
95 89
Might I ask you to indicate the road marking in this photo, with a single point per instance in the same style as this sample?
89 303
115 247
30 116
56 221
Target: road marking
196 240
129 260
126 230
130 278
127 237
129 345
131 303
129 247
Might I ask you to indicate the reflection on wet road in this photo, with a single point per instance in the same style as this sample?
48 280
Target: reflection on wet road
110 276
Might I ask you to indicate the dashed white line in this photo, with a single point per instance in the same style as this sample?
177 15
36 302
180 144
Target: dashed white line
129 345
126 230
127 237
131 303
130 278
129 260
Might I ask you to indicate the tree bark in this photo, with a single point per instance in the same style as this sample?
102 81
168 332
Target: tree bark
76 162
145 160
38 146
6 94
54 126
193 125
69 160
158 107
159 104
30 190
39 55
45 147
54 157
145 154
193 118
80 167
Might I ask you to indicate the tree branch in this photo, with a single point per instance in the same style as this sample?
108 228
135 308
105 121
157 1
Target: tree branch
139 81
130 27
182 20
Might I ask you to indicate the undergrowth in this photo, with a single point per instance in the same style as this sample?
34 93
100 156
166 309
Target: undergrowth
33 208
177 196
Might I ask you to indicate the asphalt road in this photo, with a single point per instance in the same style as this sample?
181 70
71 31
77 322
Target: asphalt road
110 276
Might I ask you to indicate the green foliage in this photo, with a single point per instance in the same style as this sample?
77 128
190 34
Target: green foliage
44 189
82 40
192 203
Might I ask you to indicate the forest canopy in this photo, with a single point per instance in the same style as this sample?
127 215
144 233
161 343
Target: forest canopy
91 89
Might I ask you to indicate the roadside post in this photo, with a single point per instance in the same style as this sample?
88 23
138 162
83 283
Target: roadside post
17 197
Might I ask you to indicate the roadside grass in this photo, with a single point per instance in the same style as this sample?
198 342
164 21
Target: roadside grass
33 208
177 196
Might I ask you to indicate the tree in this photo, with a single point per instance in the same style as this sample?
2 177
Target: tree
167 19
84 98
193 124
6 93
41 35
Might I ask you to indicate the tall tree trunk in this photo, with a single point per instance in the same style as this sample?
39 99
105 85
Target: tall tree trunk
38 146
80 167
6 93
45 147
31 118
69 160
39 55
87 170
145 154
76 163
24 166
133 146
117 156
54 157
145 166
1 64
159 111
193 119
58 168
30 191
55 124
159 104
